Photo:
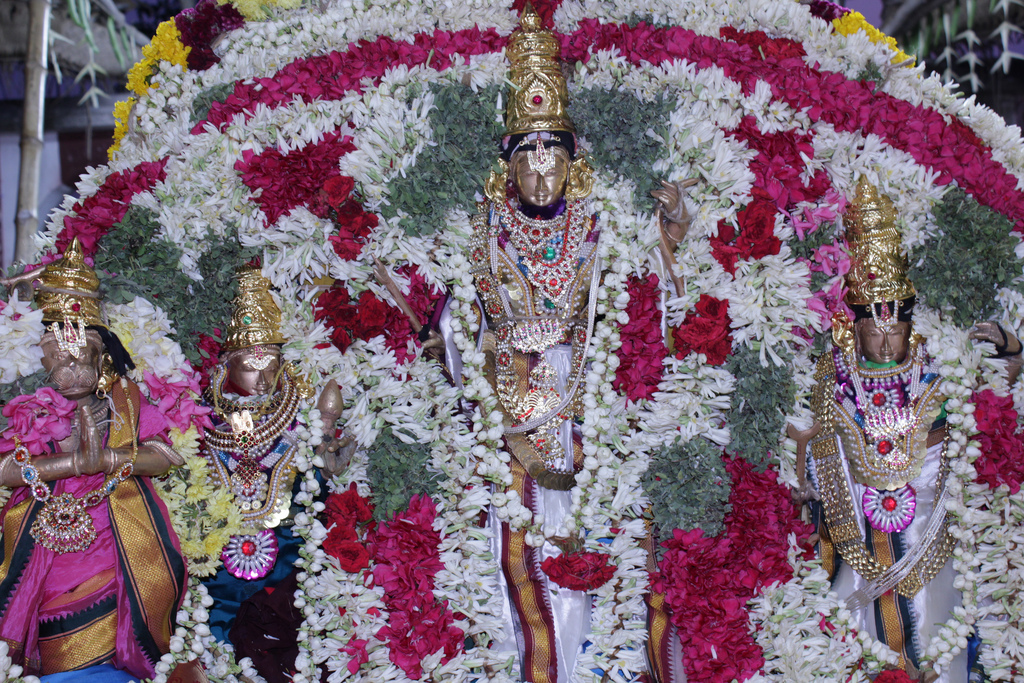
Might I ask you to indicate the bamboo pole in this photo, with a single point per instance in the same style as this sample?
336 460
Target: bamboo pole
32 127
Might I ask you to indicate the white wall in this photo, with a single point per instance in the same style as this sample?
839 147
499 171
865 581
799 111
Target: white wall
51 191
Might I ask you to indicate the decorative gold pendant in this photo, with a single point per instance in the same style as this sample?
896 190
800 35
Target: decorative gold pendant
64 526
241 422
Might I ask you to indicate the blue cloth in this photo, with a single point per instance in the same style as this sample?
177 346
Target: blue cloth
229 593
101 673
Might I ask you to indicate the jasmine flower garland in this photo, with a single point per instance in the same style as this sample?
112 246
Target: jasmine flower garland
202 196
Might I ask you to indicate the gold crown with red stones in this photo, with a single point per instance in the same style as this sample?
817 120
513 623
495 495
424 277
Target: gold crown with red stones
539 97
68 290
878 266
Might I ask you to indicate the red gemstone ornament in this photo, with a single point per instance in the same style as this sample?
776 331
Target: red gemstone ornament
884 447
537 99
878 399
889 503
76 307
248 548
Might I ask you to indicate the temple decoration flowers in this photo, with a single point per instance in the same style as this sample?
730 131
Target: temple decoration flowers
763 102
852 22
37 420
166 46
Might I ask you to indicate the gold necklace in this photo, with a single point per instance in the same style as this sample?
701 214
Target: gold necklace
246 434
550 269
838 502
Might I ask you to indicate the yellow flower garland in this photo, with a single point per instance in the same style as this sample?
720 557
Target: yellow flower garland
122 110
854 21
166 46
202 515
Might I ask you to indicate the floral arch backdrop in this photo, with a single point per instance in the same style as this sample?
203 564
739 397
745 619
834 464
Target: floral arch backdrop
316 136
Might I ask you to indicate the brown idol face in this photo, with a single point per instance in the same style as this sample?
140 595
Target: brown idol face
540 189
73 378
247 375
882 347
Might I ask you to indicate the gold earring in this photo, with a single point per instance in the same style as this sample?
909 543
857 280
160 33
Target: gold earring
107 376
581 179
494 188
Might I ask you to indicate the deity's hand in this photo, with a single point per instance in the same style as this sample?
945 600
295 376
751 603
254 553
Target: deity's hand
89 457
803 491
22 283
672 208
675 221
336 453
1006 343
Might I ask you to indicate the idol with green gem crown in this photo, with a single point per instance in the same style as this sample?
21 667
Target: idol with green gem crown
880 462
536 268
255 395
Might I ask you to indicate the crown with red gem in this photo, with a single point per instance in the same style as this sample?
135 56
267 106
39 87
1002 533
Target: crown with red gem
878 266
68 291
539 98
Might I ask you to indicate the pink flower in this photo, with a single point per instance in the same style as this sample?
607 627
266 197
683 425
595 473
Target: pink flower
356 649
38 420
175 401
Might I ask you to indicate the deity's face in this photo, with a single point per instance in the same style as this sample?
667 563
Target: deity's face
73 378
540 189
252 371
879 346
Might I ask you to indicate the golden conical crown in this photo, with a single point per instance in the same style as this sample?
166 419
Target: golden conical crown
256 318
69 290
539 96
878 266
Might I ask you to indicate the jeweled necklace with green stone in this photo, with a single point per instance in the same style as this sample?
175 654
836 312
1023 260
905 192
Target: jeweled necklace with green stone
550 249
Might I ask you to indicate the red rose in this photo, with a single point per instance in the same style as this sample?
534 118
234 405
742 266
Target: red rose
757 230
348 508
898 676
705 330
337 189
710 307
352 556
580 571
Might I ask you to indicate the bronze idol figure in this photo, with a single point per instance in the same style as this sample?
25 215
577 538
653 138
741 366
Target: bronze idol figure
879 459
93 573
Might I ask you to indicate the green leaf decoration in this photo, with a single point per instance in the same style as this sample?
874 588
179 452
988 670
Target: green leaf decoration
467 132
616 125
205 99
760 401
688 487
397 471
959 270
132 261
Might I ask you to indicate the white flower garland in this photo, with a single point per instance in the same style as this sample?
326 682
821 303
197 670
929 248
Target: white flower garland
202 191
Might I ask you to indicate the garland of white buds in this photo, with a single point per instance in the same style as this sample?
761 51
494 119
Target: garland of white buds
607 491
